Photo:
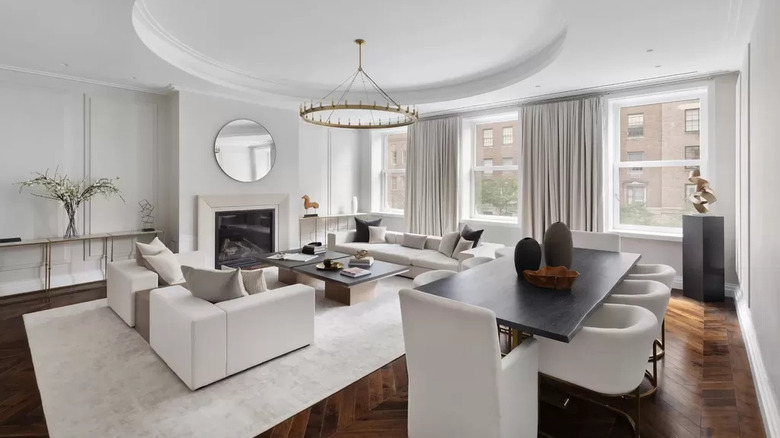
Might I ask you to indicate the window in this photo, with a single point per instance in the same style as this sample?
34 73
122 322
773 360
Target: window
650 173
393 178
692 120
507 135
487 137
636 125
636 193
636 156
490 186
692 153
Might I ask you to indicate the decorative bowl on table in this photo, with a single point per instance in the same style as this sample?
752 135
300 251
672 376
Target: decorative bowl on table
551 277
329 265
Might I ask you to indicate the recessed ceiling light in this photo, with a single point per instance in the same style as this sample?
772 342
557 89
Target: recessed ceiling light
658 66
538 86
135 78
65 65
649 50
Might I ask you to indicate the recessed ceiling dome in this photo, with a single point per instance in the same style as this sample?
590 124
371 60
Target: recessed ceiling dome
421 51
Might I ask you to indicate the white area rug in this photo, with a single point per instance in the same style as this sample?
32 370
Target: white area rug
99 378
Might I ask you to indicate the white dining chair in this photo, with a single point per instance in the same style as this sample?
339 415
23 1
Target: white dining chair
462 387
430 277
607 356
593 240
474 261
507 251
661 273
653 296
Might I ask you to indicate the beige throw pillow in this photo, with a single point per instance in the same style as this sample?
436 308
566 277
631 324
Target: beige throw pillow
146 249
376 234
416 241
463 245
167 266
212 285
448 243
253 281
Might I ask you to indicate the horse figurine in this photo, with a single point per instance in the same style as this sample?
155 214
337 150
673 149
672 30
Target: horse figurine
307 204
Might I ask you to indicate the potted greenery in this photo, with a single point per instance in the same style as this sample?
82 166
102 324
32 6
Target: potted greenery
71 193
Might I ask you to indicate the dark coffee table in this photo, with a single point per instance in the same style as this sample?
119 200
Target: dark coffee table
348 290
286 267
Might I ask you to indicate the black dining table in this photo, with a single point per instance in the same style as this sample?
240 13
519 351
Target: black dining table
549 313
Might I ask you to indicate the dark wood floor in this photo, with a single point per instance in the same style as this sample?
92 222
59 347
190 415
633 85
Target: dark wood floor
706 389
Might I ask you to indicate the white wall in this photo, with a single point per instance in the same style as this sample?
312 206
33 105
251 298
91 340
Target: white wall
200 118
85 131
764 202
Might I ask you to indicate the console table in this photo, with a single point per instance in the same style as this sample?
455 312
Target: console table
47 243
316 221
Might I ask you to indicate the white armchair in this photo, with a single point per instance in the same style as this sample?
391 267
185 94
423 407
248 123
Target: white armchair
464 388
593 240
125 277
203 342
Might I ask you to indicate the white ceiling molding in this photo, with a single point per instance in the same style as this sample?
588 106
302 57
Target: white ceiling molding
161 91
495 75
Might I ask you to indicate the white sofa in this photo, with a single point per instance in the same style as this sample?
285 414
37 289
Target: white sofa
203 342
126 277
418 260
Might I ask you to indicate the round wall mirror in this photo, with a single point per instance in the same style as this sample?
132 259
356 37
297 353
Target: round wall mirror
245 150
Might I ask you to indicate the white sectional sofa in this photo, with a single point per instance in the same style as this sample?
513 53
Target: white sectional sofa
203 342
126 277
419 260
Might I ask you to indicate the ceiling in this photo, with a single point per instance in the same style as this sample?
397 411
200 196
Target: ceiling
442 58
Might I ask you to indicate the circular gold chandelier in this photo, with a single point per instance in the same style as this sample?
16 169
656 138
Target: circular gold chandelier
364 114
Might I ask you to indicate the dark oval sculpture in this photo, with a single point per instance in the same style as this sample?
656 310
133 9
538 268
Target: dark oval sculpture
558 245
528 255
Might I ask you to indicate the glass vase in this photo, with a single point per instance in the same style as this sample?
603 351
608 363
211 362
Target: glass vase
71 231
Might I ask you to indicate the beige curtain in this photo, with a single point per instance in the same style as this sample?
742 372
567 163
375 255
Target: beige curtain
562 150
432 176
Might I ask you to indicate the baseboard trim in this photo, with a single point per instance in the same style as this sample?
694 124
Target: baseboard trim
730 290
767 399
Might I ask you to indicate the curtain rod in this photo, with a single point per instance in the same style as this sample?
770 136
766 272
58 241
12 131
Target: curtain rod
599 90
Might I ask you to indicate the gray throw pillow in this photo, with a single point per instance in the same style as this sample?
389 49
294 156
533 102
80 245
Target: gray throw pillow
253 280
212 285
448 243
416 241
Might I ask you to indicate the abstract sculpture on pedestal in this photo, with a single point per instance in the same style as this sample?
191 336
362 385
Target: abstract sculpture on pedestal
71 194
703 196
307 204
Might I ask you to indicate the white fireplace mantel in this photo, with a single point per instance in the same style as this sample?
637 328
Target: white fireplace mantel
208 205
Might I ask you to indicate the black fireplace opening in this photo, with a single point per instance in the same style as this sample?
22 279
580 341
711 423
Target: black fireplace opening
242 236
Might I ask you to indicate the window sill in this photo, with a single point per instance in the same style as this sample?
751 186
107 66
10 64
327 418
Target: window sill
649 235
509 222
387 214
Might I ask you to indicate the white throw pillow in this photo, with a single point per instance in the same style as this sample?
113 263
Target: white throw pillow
253 281
376 234
463 245
416 241
147 249
212 285
448 243
167 266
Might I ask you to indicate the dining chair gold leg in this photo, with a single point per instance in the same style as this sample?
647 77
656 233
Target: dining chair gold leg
653 378
661 344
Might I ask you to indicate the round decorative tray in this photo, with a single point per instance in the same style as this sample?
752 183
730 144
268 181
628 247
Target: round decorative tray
551 277
335 266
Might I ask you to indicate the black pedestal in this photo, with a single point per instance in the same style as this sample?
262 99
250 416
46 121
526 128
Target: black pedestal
703 258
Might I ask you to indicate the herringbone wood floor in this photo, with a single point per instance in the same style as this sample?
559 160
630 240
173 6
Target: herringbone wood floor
706 389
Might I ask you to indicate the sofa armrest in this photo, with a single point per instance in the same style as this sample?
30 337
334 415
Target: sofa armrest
123 279
338 237
196 259
255 323
189 334
483 250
